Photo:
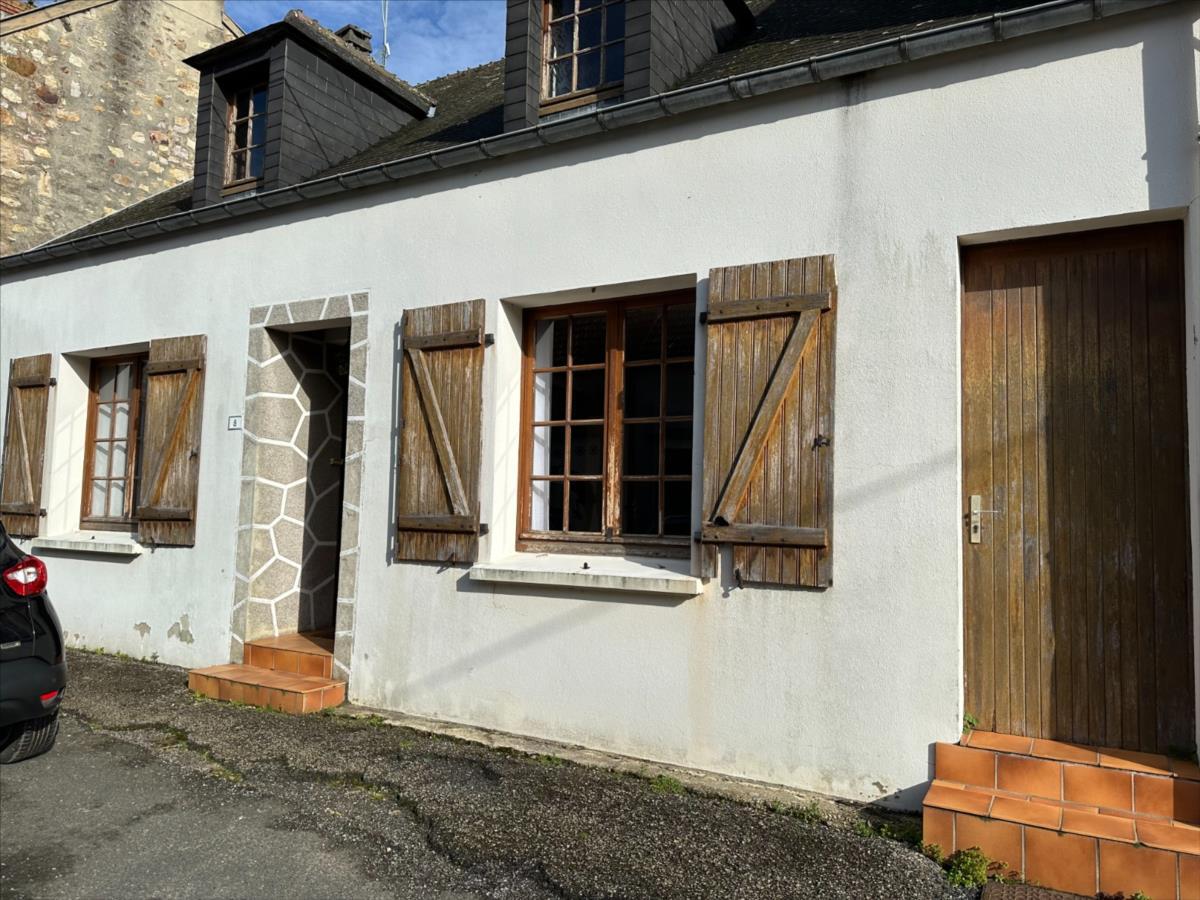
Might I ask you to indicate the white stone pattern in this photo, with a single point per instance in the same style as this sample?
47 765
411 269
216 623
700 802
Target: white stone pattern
297 553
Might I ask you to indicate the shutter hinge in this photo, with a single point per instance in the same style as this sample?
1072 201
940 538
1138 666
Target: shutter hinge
483 528
821 441
41 513
53 382
704 317
489 339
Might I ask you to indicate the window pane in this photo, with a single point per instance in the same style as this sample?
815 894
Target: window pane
260 101
677 458
547 506
549 443
549 396
677 507
587 394
258 130
257 157
99 497
122 425
239 167
589 334
103 420
614 62
562 34
241 105
550 344
561 8
589 70
108 380
124 373
116 499
588 4
681 330
589 30
614 23
641 450
641 391
560 77
119 457
587 449
585 503
241 133
100 460
643 333
639 507
679 389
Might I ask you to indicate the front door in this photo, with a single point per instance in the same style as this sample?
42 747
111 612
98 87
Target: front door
1077 582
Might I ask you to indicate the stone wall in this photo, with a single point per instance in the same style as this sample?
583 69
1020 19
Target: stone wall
97 110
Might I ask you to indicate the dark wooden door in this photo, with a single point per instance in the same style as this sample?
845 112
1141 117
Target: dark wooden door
1077 583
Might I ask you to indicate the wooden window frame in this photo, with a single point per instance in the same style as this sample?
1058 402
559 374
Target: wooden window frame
133 441
575 98
230 185
609 540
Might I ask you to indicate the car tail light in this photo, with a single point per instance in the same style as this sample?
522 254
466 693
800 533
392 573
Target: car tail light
26 578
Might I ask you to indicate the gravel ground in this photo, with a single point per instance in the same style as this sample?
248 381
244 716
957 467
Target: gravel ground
425 815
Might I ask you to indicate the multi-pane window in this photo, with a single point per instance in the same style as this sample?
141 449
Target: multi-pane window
585 46
247 136
608 427
111 465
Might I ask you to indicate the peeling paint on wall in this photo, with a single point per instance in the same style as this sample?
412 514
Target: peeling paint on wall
181 630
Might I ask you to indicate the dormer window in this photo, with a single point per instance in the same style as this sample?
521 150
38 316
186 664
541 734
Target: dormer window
247 137
585 50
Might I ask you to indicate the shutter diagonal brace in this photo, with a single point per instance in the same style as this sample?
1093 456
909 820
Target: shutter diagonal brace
150 510
437 428
756 437
15 404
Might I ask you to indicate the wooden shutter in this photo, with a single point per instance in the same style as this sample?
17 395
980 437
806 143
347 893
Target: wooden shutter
437 481
768 421
29 385
170 448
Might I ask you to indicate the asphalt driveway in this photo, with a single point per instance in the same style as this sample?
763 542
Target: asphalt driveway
152 792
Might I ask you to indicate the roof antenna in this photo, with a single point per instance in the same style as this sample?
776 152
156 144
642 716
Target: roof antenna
386 50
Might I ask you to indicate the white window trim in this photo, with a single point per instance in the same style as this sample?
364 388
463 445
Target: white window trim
106 543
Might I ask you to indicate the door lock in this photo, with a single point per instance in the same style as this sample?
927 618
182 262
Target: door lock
976 517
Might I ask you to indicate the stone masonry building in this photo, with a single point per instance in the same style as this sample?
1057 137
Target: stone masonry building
97 109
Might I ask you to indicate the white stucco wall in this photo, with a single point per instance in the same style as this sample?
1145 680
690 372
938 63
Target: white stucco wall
841 691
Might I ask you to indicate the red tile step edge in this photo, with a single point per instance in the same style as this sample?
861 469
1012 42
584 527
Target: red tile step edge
1065 847
1135 783
284 691
299 654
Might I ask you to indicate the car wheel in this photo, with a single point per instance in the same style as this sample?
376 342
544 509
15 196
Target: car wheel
30 738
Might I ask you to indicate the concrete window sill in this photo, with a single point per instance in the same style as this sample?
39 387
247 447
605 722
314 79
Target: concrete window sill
612 573
104 543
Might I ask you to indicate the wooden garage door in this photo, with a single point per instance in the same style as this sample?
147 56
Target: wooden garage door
1077 587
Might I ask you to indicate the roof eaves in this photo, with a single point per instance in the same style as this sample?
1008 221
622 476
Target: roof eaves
1042 17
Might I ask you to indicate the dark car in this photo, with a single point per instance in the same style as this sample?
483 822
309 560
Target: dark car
33 670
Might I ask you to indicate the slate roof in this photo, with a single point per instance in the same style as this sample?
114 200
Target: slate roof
470 102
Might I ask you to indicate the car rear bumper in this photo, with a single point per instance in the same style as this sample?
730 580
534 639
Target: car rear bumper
23 682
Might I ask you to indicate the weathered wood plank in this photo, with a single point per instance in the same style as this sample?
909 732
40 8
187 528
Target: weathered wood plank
446 340
769 306
764 535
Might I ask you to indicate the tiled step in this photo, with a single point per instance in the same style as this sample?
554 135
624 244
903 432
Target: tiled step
1142 783
299 654
284 691
1070 817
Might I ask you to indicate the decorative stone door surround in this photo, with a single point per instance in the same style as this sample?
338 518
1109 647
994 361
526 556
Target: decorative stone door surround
275 523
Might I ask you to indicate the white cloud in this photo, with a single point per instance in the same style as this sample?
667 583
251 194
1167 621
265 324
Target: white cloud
428 37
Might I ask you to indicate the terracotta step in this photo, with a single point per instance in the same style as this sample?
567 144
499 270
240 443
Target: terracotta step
1142 783
284 691
307 653
1067 846
1070 817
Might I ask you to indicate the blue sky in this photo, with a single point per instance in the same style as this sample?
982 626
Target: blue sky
428 37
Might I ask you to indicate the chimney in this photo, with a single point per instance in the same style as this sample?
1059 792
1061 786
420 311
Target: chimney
357 38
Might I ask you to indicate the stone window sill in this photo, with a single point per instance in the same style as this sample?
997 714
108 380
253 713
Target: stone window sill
105 543
611 573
